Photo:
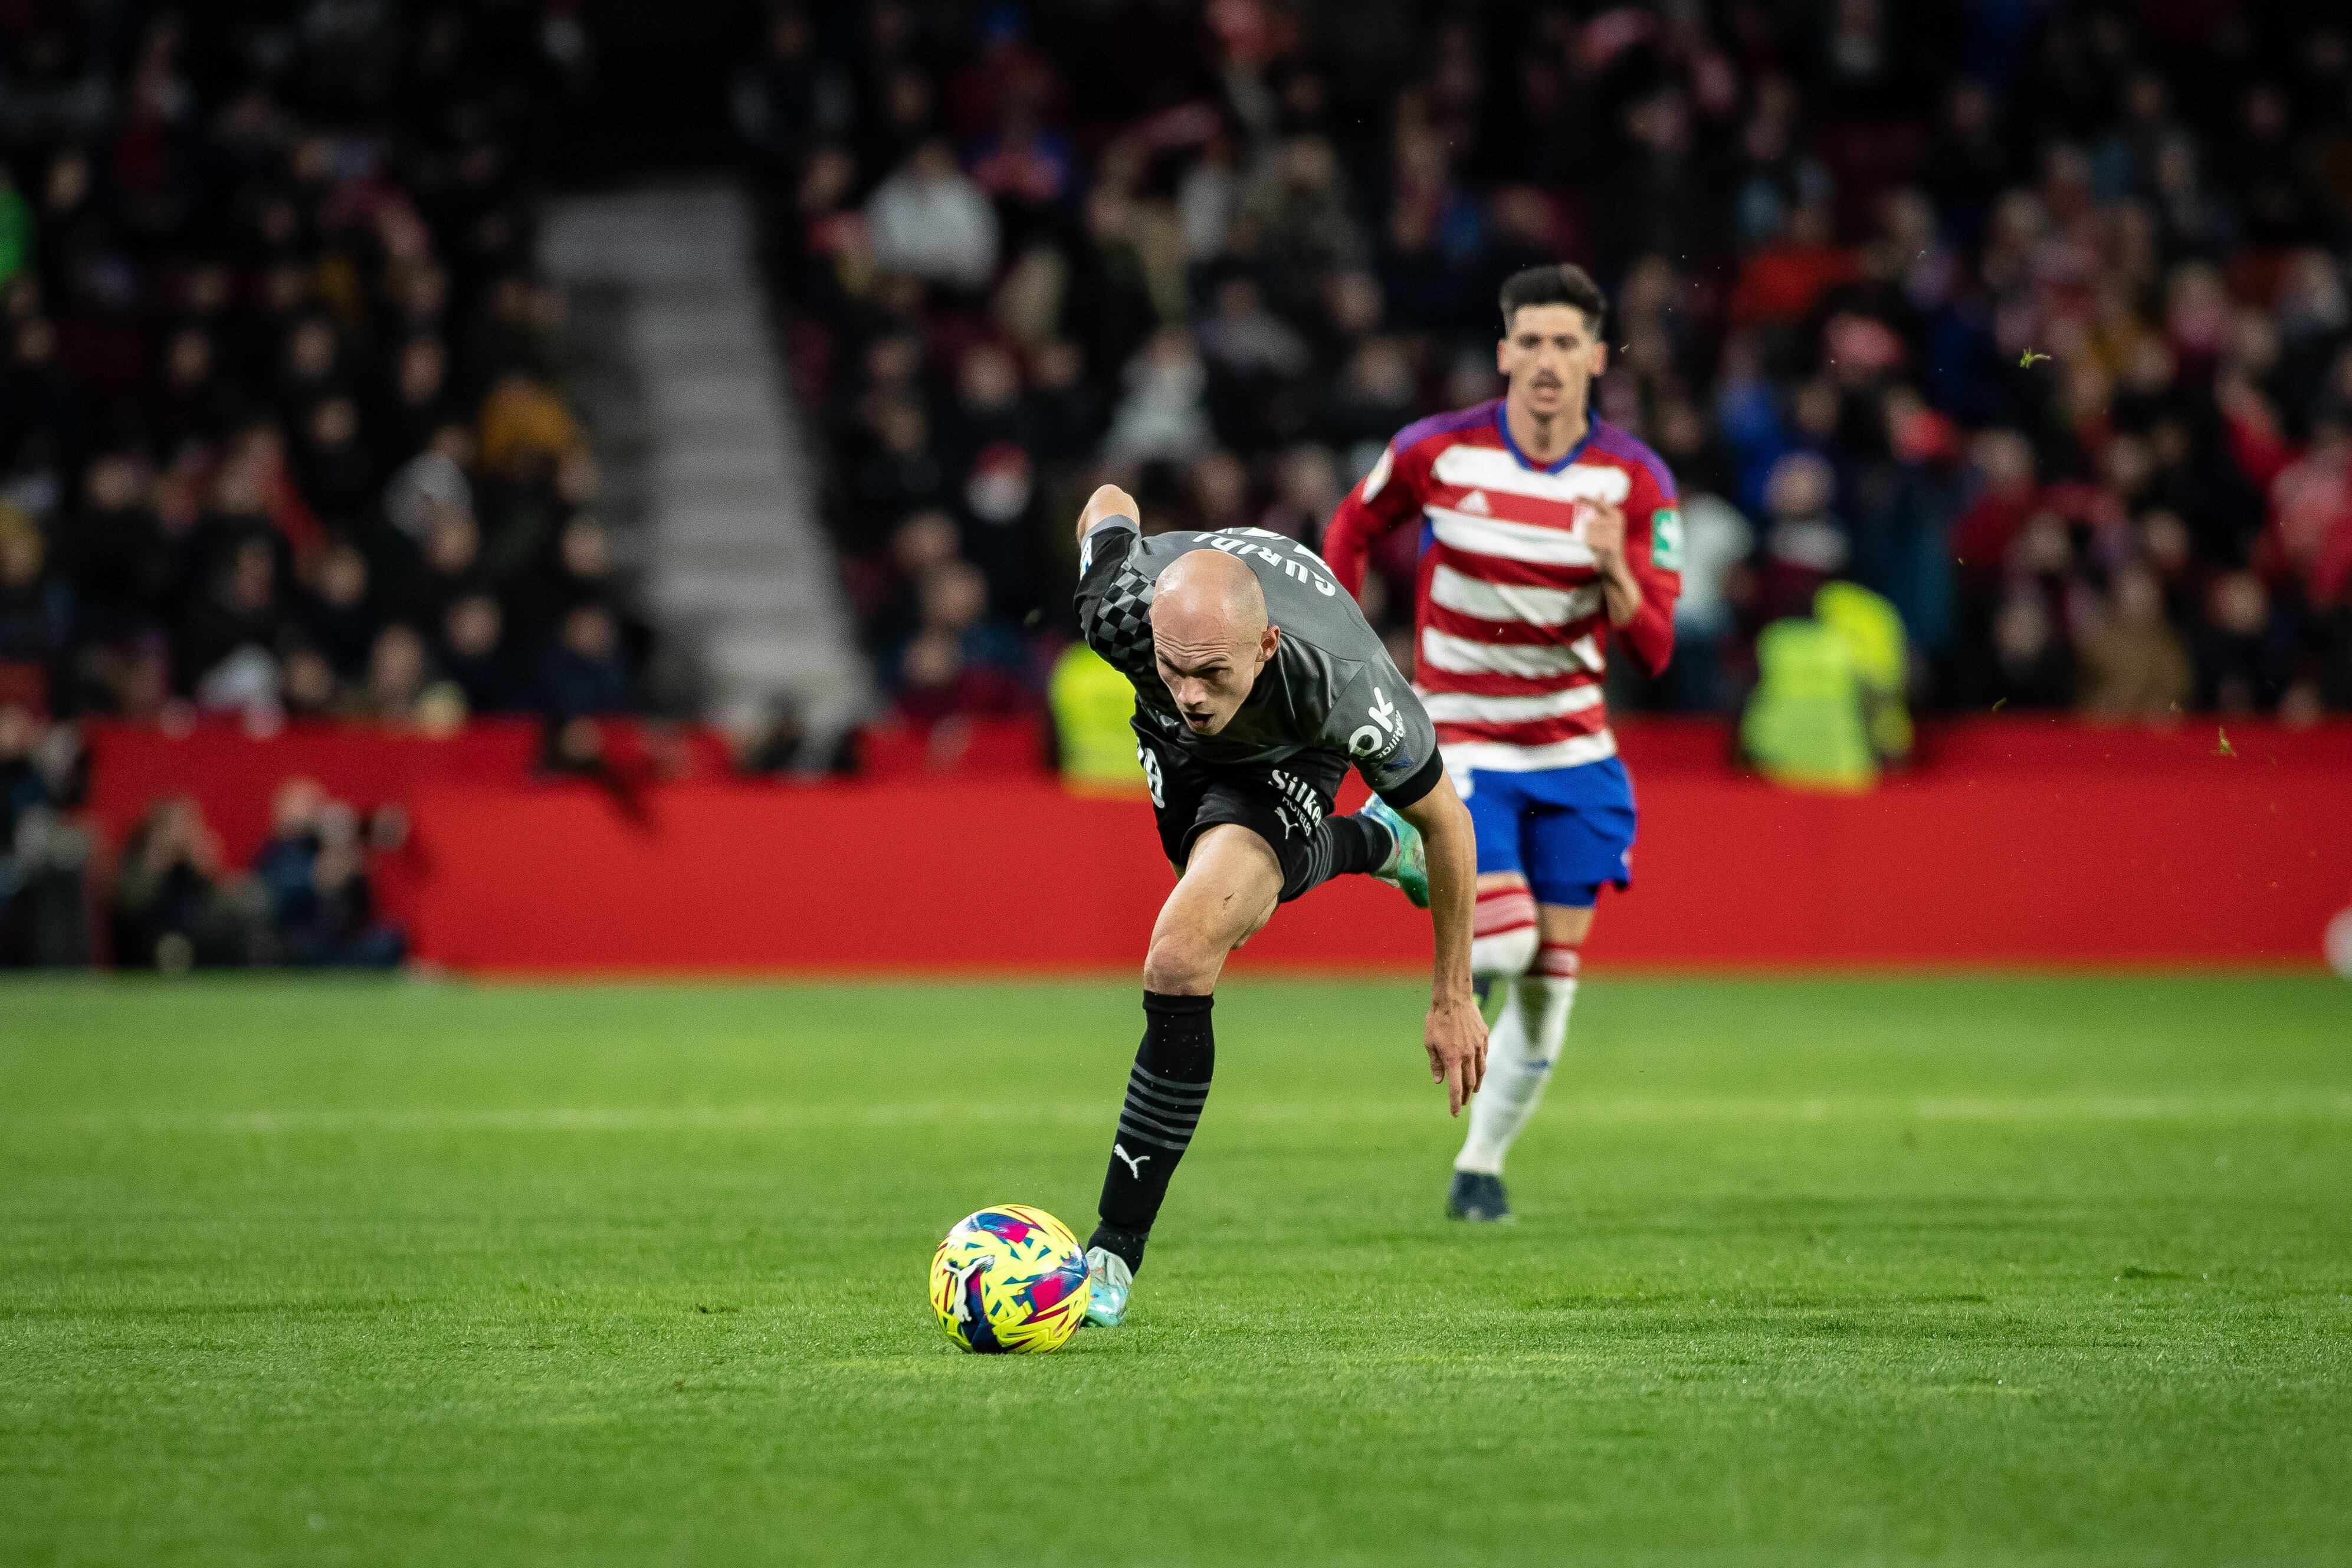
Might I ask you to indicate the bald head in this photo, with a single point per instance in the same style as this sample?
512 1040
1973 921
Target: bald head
1206 595
1209 634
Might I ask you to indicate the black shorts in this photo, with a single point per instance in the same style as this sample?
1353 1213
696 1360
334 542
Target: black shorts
1283 803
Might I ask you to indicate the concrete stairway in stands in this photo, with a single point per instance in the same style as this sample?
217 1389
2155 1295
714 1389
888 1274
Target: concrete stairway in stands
734 563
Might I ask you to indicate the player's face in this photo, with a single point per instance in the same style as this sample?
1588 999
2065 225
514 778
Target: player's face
1211 681
1549 356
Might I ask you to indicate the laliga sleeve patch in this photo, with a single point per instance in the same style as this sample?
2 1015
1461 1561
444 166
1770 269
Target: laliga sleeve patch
1379 476
1667 539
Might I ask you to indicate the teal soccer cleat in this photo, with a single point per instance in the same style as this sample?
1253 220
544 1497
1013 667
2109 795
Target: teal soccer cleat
1407 866
1109 1283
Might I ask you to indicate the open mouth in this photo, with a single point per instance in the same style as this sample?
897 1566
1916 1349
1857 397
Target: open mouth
1199 720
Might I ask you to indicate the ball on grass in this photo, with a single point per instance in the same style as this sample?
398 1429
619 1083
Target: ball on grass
1009 1279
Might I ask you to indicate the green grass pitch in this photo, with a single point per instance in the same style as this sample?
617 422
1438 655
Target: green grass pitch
1821 1270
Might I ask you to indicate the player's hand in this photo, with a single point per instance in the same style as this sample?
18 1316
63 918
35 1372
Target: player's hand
1605 532
1109 500
1456 1037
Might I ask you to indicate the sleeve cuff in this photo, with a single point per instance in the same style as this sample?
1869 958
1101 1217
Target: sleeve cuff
1410 792
1087 540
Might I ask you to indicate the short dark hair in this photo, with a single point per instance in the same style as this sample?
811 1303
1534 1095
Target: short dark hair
1561 284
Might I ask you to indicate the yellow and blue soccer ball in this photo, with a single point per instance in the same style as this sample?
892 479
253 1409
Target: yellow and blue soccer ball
1009 1279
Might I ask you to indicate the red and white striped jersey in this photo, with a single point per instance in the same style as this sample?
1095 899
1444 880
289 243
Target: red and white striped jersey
1509 628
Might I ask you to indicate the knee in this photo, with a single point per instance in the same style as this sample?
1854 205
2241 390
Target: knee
1503 944
1176 966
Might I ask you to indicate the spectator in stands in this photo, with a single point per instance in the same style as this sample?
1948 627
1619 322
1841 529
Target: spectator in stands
35 610
176 904
581 672
337 617
929 221
1805 543
2034 668
449 566
474 655
954 604
1717 541
2134 665
936 683
228 641
313 872
399 669
2245 652
116 551
44 855
1162 414
904 474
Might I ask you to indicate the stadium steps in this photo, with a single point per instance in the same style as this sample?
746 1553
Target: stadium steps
712 455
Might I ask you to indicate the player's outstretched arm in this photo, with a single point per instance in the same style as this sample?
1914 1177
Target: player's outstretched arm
1456 1033
1109 500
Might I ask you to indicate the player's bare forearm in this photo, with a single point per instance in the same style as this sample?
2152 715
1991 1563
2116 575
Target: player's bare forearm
1447 838
1109 500
1621 591
1605 534
1457 1033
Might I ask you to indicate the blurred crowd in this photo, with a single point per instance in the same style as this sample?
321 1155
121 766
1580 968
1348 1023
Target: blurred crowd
170 896
307 898
281 430
2029 315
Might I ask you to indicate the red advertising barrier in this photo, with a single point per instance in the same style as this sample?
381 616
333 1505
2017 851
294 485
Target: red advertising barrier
2014 839
233 774
2023 843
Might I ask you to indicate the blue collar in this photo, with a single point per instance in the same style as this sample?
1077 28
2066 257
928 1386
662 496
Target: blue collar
1503 423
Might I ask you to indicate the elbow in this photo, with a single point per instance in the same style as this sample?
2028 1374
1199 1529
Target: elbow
1440 816
1649 637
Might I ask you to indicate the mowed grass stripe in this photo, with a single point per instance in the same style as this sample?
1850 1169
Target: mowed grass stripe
1861 1271
698 1119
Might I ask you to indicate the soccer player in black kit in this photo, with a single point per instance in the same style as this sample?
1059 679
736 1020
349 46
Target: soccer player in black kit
1258 684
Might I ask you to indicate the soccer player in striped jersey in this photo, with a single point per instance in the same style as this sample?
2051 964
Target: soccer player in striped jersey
1546 534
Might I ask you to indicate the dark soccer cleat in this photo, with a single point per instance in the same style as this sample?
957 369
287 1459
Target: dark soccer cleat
1476 1196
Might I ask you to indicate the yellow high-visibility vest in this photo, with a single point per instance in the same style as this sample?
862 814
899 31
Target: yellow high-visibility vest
1804 725
1092 703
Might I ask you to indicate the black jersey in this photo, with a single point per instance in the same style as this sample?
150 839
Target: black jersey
1331 687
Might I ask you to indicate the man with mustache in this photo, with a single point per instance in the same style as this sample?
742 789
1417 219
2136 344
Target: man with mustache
1544 535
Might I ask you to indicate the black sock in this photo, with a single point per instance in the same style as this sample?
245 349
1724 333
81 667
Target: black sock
1340 845
1358 844
1165 1093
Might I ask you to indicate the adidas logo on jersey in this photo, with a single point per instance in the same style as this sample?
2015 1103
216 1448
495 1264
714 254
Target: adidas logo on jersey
1477 501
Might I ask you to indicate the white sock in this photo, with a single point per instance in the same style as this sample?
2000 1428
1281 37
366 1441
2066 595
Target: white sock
1502 936
1520 1050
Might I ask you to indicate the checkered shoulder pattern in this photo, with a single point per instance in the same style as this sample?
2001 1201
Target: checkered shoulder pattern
1121 631
1115 605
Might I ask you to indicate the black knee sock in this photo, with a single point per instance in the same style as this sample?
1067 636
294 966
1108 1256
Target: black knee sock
1357 845
1165 1093
1341 845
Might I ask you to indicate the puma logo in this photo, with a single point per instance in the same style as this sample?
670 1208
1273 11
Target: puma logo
1135 1162
963 1276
